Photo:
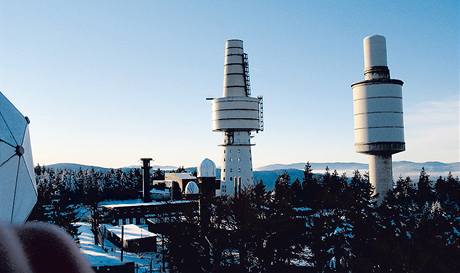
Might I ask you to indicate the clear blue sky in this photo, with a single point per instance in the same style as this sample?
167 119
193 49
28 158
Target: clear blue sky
106 82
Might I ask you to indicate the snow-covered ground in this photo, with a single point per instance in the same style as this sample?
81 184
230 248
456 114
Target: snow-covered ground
110 254
116 202
140 204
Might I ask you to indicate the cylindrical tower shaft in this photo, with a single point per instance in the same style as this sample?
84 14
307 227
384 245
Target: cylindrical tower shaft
237 172
378 114
381 173
234 69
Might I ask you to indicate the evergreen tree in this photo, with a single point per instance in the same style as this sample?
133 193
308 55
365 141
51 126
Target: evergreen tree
363 219
64 215
158 174
424 190
311 188
434 247
95 219
181 169
38 169
396 225
185 248
330 237
297 193
286 235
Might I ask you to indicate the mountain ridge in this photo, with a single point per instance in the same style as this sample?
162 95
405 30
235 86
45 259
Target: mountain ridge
269 173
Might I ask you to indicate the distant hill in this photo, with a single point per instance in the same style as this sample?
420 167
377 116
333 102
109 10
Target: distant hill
75 167
269 173
316 166
154 167
400 168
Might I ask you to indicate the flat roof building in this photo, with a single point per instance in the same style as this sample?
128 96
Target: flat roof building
132 238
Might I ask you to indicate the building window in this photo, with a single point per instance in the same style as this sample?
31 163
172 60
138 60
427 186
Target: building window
142 220
134 220
120 222
231 178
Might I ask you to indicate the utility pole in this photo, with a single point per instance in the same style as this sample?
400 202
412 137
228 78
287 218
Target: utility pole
163 252
122 240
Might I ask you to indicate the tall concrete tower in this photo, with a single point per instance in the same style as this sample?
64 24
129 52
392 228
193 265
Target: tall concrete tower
378 115
237 115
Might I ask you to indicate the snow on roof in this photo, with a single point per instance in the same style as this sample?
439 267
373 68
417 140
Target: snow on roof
160 191
179 176
302 209
131 232
122 205
116 202
162 181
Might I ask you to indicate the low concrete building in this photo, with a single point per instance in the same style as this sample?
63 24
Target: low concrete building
137 213
119 268
131 238
182 179
160 193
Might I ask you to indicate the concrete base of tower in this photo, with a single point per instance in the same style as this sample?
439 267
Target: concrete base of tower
236 172
381 174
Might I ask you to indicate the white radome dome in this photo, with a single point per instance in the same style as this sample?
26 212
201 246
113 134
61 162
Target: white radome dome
18 190
207 168
192 188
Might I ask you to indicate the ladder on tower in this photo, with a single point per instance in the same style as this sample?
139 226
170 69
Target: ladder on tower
247 83
261 113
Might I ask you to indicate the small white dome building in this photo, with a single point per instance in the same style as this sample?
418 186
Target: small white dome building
191 188
207 168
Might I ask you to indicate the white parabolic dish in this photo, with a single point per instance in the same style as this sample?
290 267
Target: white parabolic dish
18 190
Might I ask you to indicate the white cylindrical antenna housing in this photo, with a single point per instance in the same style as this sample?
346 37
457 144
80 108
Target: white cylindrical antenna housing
375 51
375 58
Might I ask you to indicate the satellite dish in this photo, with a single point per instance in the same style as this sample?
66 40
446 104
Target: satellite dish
191 188
18 190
